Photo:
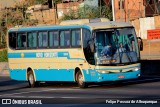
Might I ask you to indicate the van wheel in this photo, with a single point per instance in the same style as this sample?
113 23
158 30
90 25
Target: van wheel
80 80
31 80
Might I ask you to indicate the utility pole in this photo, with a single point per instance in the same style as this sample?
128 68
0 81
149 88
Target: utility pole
139 9
121 11
128 12
54 7
100 8
113 11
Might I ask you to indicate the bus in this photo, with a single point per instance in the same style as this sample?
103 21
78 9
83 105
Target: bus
73 52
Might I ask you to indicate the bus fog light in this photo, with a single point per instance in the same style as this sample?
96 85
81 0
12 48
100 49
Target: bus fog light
138 75
99 78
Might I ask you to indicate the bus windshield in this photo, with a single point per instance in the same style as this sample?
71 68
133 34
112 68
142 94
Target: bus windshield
116 46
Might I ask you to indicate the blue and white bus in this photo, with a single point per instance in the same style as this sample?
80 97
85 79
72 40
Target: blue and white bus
74 51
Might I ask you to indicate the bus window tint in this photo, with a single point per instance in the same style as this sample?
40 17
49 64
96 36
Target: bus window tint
21 42
86 37
12 40
32 40
76 38
42 39
53 39
65 38
89 55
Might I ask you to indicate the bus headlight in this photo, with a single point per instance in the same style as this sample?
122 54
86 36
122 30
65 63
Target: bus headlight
136 69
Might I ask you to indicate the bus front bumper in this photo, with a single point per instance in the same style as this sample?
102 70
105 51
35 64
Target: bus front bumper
117 76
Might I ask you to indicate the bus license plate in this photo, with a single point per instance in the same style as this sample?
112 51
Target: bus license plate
121 76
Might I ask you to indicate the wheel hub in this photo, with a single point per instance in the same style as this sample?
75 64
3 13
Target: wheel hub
31 79
80 79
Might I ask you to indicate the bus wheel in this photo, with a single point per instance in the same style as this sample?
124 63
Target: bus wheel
31 80
80 80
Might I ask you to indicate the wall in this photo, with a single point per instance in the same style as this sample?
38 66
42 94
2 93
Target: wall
49 16
157 21
45 16
64 8
143 24
146 24
132 9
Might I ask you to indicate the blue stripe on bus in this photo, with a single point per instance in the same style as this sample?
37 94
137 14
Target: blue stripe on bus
47 74
54 75
34 55
18 74
46 28
68 75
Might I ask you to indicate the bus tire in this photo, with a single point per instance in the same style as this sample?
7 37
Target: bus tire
31 80
80 80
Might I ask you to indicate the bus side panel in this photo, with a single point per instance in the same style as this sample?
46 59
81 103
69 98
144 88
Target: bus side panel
94 75
86 74
18 74
54 75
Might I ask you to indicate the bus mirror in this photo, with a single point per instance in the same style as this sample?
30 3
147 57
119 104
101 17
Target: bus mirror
140 43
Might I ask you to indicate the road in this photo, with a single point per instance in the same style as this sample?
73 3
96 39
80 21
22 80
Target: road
141 89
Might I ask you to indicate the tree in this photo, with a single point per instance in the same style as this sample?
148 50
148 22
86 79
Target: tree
10 17
39 1
88 12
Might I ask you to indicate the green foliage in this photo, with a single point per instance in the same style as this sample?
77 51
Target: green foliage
88 12
3 56
13 17
33 2
57 1
40 1
9 18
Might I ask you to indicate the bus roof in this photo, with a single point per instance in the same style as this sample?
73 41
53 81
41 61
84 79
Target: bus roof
74 24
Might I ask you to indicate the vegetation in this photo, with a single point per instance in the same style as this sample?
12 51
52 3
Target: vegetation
88 12
3 56
11 17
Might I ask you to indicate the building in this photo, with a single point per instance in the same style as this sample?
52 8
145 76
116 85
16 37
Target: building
128 10
152 7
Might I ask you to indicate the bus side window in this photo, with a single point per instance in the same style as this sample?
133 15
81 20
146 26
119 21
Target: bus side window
32 40
21 41
76 38
65 38
42 39
53 39
12 40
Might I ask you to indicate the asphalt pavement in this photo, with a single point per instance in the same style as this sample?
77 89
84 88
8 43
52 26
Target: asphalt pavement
143 89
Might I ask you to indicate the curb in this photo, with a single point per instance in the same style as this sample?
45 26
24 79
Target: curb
4 69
